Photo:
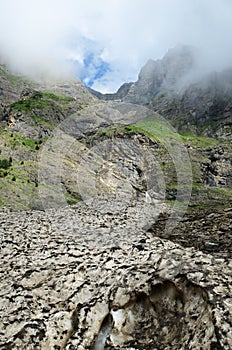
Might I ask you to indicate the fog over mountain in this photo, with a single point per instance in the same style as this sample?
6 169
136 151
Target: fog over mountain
105 43
116 208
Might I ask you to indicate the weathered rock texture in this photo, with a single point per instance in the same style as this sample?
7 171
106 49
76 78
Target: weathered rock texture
80 279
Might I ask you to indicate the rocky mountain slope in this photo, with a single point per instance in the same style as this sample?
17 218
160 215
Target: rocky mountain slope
115 229
31 118
29 112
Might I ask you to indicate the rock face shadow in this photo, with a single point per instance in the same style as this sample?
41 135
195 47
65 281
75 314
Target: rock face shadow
170 316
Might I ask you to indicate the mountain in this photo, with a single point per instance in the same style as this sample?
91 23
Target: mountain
33 113
204 107
114 223
167 74
174 87
29 112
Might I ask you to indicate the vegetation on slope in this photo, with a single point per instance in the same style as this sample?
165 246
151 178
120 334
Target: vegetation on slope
40 100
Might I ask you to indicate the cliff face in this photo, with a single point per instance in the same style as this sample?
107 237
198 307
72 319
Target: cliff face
165 75
204 107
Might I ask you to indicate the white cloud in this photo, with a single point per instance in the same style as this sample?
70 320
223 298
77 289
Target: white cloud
48 36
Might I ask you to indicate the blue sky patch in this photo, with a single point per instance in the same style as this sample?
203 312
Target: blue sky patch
94 69
90 66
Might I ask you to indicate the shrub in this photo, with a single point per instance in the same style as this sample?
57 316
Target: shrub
5 163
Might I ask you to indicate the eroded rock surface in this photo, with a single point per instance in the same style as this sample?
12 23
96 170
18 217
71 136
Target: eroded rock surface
81 279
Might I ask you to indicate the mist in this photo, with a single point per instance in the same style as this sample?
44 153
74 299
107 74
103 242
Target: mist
105 43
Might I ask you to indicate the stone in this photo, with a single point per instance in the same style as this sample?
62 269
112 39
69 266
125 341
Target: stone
66 286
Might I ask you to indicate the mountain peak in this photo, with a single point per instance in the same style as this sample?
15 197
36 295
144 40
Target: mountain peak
155 76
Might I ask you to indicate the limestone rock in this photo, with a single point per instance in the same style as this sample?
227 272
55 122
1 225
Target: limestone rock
69 282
